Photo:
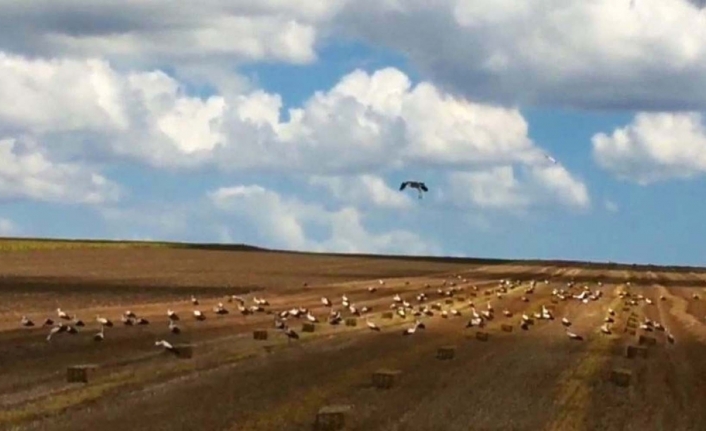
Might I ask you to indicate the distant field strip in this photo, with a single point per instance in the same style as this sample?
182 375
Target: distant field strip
19 244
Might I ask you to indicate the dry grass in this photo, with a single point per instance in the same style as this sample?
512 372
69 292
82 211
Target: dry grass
536 379
27 244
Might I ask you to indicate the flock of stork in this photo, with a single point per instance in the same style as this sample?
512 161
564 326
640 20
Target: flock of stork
403 308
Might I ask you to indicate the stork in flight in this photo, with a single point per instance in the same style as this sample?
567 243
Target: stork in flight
420 186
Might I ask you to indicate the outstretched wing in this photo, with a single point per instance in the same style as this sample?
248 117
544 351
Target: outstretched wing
424 187
403 185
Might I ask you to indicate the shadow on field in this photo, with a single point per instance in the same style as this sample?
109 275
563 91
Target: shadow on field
65 285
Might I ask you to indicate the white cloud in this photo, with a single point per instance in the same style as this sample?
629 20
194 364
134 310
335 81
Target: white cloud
168 220
556 182
8 227
289 223
363 190
611 206
491 188
590 54
25 173
502 188
654 147
365 123
159 31
598 53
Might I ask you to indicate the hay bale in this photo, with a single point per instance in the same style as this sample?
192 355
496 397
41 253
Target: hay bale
482 336
308 327
626 308
449 301
636 352
80 373
506 327
645 340
184 351
385 379
387 315
621 377
446 352
351 321
260 334
331 418
460 298
473 294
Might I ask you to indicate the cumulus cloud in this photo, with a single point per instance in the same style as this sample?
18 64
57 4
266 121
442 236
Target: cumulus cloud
159 31
589 54
654 147
363 191
25 173
504 188
291 224
365 123
595 54
8 227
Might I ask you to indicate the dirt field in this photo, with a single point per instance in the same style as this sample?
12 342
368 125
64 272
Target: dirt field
535 379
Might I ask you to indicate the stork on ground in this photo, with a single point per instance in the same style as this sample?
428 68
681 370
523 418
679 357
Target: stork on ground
100 335
173 328
166 345
103 321
291 334
56 329
62 314
574 336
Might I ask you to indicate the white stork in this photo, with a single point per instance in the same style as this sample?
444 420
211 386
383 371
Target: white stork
420 186
100 336
166 344
574 336
103 321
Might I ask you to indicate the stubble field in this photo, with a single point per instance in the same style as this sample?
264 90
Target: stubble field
535 379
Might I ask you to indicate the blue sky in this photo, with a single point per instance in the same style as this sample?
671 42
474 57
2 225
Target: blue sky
182 130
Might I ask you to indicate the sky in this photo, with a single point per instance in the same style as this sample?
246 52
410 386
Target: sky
290 124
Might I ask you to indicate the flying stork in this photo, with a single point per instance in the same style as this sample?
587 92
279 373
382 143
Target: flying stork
420 186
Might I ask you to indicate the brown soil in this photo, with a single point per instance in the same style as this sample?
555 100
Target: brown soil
521 380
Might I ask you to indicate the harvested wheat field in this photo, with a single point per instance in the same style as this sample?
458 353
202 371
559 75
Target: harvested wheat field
646 372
